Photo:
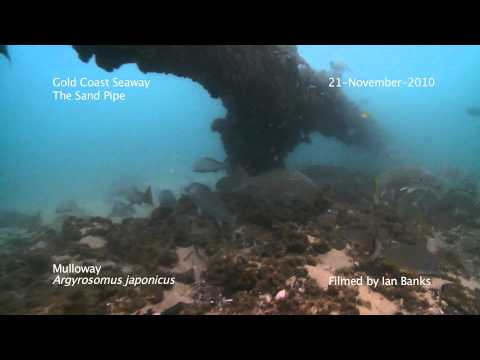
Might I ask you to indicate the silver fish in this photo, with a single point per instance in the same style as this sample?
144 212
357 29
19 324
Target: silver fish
326 175
122 209
413 258
135 196
68 207
376 250
210 203
208 165
473 111
12 218
338 68
280 184
167 199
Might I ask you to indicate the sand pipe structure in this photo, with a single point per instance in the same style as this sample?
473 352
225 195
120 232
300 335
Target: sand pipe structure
274 99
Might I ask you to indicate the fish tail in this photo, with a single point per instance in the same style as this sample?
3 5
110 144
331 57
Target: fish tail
376 250
148 197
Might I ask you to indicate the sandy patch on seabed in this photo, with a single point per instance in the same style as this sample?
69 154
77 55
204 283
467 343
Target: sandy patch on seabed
190 258
371 301
180 293
472 284
375 303
93 242
326 266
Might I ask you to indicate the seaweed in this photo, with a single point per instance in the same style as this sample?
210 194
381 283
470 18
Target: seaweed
460 300
232 273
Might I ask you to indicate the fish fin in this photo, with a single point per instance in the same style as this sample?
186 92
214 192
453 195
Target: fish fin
148 197
199 168
376 251
305 178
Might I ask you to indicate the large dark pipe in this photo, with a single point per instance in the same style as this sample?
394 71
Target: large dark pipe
273 98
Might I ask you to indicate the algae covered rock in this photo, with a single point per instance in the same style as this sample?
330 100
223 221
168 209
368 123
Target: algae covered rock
460 300
232 273
74 228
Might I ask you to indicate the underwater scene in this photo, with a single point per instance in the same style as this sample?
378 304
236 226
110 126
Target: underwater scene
239 180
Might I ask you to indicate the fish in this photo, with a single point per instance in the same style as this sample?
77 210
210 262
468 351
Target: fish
122 209
279 184
364 115
210 203
413 189
13 218
376 250
134 196
167 199
208 165
413 258
4 51
325 175
348 184
68 207
473 111
338 68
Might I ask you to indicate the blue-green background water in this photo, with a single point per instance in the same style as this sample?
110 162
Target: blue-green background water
52 151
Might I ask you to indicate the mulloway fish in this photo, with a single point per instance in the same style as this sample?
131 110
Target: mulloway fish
338 68
135 196
122 209
167 199
474 111
12 218
68 207
208 165
280 183
209 202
